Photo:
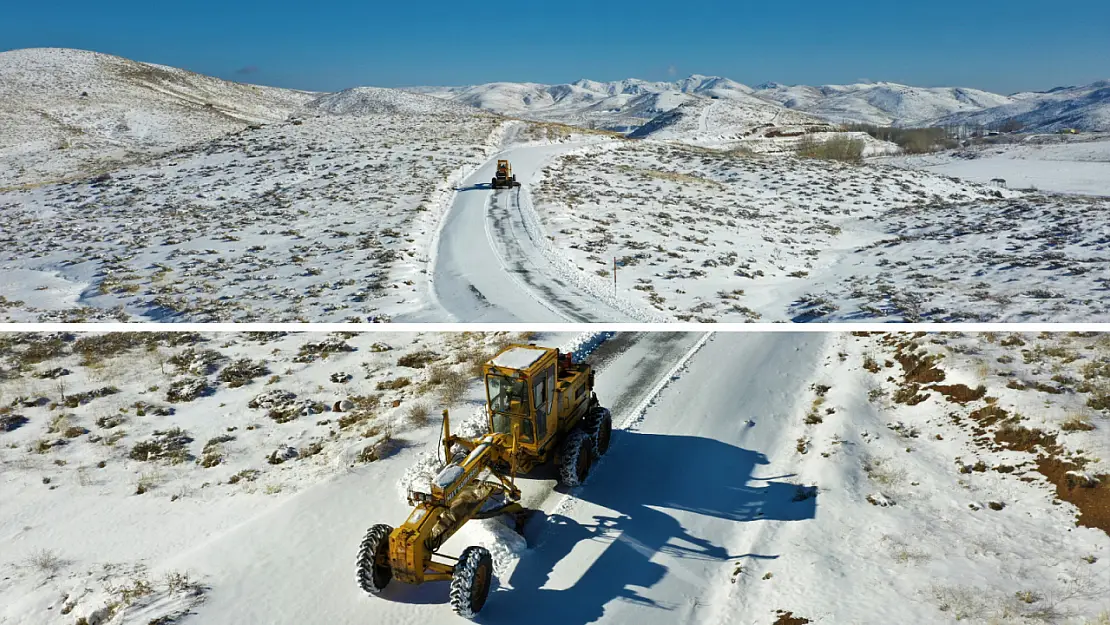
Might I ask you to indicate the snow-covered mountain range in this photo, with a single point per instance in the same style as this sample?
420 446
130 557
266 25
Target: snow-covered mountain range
631 102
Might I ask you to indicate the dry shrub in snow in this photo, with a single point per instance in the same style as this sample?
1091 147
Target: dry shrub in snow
242 372
843 149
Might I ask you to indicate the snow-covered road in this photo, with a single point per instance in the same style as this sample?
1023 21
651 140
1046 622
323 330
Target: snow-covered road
488 268
295 562
684 495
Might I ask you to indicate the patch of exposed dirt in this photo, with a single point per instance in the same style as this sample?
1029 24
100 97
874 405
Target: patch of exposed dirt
916 368
788 618
1019 438
988 415
1093 501
960 393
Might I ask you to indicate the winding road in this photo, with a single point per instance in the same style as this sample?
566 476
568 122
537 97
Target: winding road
488 267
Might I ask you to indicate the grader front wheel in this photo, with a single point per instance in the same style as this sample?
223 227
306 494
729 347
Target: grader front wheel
471 581
374 572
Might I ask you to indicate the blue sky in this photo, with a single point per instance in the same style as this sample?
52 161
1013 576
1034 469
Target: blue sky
998 46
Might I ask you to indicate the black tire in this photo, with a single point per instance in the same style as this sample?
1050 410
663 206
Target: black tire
374 571
471 581
601 430
576 455
493 183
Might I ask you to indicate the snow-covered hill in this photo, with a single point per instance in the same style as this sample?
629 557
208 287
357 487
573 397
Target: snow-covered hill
729 123
619 105
279 223
63 109
882 103
1084 108
378 101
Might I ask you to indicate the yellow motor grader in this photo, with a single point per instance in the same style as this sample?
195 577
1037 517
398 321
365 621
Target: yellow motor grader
504 178
541 408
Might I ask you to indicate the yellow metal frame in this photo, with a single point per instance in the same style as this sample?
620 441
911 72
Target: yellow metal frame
438 515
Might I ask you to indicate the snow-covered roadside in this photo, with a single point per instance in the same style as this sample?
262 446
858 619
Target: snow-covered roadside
916 520
701 235
563 264
1080 167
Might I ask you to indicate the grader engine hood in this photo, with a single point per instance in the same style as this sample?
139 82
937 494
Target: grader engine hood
455 477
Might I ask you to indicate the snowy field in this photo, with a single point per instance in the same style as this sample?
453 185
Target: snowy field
67 114
753 479
704 236
137 192
328 220
1075 166
367 214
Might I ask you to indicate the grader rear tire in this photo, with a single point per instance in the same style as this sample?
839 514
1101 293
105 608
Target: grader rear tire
374 571
601 430
576 455
471 581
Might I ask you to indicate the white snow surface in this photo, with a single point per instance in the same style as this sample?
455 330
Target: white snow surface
704 510
63 109
1057 164
518 357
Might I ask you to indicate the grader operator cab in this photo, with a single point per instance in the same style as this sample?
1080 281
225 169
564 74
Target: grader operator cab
504 177
541 408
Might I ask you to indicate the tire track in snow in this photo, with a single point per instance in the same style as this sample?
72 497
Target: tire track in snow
506 245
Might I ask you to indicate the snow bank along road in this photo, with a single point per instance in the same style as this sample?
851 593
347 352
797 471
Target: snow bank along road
645 538
488 269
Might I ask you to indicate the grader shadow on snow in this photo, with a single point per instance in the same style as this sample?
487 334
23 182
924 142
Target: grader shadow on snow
481 186
637 482
633 481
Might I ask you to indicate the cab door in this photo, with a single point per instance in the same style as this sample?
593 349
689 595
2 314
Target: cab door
543 398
